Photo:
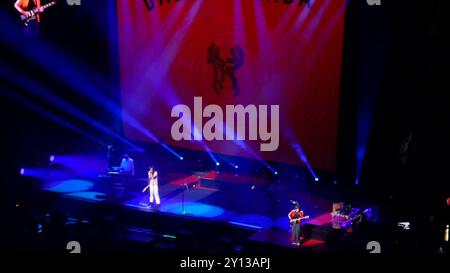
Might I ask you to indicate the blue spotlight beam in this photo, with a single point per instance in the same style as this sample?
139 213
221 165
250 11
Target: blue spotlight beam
228 162
48 114
304 159
50 57
48 96
70 72
165 146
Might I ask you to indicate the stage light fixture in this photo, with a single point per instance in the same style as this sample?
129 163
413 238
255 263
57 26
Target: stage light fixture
316 179
217 164
181 158
22 171
275 173
236 167
52 158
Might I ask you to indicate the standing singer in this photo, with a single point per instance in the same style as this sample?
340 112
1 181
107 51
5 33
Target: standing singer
152 186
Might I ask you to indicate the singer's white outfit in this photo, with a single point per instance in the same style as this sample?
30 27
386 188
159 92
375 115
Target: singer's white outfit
153 185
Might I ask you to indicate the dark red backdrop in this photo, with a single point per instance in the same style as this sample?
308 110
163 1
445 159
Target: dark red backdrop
293 59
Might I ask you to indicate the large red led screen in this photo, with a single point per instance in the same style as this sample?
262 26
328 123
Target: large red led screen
252 78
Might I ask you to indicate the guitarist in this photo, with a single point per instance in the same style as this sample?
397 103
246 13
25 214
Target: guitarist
25 7
295 217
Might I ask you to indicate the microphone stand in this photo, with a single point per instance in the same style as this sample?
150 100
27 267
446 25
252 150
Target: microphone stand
182 198
185 187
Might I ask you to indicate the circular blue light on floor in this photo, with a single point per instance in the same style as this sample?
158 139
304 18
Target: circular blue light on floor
72 185
88 195
194 209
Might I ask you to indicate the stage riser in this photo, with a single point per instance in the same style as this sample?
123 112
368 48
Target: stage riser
322 233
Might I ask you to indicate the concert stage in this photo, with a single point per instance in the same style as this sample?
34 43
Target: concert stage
246 212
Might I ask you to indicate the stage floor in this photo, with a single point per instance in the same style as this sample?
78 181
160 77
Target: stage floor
243 201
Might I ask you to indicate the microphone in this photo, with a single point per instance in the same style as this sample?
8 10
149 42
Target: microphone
294 202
